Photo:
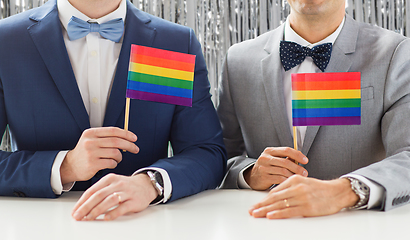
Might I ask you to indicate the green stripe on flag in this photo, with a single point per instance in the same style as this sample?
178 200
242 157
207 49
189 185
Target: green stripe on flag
326 103
164 81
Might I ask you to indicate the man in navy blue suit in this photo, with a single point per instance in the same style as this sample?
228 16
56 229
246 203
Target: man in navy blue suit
63 96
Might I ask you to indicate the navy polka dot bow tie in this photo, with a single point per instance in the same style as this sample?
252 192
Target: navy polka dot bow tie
293 54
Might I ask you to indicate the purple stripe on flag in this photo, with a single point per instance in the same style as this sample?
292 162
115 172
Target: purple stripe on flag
147 96
320 121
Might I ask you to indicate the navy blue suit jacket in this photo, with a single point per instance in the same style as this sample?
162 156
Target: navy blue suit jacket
41 102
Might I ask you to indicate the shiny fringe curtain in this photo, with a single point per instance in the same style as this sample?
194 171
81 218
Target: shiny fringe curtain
220 23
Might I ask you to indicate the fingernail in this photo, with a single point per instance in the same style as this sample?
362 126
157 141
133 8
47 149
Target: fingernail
256 211
305 159
305 173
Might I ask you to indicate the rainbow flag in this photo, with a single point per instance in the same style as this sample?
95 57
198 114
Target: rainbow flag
326 99
160 76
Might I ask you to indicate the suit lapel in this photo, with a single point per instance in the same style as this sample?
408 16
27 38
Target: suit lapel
340 61
137 32
272 80
47 36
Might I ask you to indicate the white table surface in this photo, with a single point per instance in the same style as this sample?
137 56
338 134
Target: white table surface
213 214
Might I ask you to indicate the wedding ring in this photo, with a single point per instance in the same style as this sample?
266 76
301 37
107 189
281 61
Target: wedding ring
286 203
118 196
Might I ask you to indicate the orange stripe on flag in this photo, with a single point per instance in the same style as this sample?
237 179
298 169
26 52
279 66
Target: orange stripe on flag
161 62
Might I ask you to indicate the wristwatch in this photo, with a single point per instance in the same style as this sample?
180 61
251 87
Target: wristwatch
362 191
157 182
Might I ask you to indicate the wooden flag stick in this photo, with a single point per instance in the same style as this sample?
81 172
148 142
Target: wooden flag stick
295 140
127 115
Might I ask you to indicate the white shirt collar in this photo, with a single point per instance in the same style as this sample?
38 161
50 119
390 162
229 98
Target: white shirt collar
66 11
291 35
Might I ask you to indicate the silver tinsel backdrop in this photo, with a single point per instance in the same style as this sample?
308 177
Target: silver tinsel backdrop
220 23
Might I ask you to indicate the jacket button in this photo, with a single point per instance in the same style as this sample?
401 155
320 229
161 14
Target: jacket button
394 201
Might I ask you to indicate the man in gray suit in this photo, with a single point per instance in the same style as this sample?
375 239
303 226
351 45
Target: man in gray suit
353 167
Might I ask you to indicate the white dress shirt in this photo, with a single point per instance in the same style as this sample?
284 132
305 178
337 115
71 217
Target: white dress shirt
94 62
308 66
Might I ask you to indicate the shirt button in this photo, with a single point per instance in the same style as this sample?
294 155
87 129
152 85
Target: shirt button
95 100
94 53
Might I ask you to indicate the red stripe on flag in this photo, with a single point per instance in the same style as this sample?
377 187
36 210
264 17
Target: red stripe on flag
161 62
324 85
333 76
165 54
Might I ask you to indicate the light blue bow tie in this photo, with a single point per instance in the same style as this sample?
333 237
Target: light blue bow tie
111 30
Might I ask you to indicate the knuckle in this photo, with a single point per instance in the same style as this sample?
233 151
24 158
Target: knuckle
267 149
116 154
113 164
121 184
262 169
283 171
87 132
87 143
111 177
99 195
115 142
112 130
287 150
295 178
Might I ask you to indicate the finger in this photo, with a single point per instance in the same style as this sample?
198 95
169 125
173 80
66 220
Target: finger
104 132
280 172
291 182
285 152
104 182
274 179
274 196
104 163
91 202
288 164
117 143
121 210
110 153
112 200
279 205
285 213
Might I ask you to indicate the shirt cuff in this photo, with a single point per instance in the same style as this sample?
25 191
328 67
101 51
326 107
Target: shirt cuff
55 180
376 190
165 178
241 179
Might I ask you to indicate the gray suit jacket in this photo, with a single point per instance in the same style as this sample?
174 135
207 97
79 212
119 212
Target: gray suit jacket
253 117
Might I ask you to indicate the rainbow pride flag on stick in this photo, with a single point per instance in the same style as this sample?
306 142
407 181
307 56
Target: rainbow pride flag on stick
326 99
160 76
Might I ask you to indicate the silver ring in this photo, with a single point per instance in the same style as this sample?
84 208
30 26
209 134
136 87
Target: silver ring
118 196
286 203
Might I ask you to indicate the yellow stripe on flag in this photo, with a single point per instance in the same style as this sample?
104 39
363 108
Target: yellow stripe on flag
159 71
325 94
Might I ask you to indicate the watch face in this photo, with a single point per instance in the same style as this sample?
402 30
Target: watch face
159 179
